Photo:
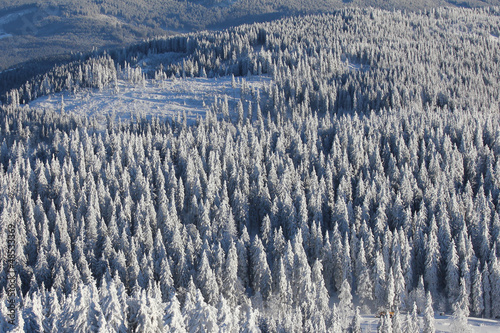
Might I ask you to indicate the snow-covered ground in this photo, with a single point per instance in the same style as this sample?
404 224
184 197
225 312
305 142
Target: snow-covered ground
442 324
164 99
353 66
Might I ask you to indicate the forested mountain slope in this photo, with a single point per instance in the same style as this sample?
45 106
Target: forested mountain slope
365 173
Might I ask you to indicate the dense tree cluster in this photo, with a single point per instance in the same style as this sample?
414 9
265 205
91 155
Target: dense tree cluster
93 73
367 174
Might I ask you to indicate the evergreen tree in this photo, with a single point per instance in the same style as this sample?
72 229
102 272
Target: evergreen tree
384 324
198 315
432 260
165 279
207 281
142 310
477 293
82 312
495 285
328 264
356 322
461 311
232 288
452 274
111 308
419 296
322 296
390 292
261 274
345 306
302 287
283 292
411 325
487 291
365 285
400 289
52 311
429 315
379 287
248 322
397 321
33 315
173 320
242 252
226 316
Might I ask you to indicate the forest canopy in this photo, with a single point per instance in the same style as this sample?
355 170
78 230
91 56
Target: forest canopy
367 173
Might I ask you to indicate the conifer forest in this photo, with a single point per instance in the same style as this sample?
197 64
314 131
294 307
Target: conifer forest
361 178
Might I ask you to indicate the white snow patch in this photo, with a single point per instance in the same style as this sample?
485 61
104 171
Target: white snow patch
164 99
354 67
479 325
442 324
494 38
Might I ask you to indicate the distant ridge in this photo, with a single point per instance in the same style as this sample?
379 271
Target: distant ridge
30 29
